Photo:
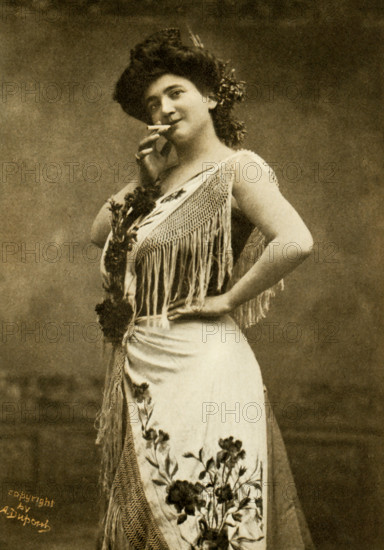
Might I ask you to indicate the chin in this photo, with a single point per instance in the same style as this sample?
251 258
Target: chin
178 138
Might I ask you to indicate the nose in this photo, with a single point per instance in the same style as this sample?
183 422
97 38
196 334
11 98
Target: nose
167 106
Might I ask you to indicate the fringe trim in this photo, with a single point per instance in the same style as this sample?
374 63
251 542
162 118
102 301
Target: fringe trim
199 244
112 524
252 311
109 421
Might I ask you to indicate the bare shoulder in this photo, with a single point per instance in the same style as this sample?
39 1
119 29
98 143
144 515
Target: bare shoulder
251 169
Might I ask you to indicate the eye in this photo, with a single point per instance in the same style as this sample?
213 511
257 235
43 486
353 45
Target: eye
176 93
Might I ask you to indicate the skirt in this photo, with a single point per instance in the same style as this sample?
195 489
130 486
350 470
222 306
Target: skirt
202 463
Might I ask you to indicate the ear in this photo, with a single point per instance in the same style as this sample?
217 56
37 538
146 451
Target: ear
212 102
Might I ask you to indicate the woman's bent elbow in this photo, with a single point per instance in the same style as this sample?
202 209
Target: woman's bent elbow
96 236
298 245
306 244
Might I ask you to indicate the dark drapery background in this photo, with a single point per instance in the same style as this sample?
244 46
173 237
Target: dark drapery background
313 112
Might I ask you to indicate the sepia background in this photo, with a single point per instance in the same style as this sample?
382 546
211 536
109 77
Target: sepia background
315 78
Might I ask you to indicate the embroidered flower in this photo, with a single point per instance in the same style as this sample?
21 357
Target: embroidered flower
140 392
150 435
224 494
184 496
231 453
162 437
213 539
173 196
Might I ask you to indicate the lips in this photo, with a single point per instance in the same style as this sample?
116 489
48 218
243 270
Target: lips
172 122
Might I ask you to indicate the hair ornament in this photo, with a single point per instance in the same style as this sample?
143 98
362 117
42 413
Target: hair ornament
195 39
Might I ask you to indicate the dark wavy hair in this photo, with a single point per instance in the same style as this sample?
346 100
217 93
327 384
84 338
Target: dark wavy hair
163 53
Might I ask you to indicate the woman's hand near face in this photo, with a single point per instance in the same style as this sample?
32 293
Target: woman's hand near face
151 161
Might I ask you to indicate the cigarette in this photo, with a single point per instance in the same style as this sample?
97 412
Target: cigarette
159 127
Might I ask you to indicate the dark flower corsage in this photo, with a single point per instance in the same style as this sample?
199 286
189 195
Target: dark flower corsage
115 313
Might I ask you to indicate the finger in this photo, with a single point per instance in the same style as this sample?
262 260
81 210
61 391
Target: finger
174 315
179 311
177 302
175 312
174 318
144 152
148 140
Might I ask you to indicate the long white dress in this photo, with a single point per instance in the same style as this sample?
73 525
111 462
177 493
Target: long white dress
188 449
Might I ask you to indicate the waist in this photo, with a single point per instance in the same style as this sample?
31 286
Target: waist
143 313
213 323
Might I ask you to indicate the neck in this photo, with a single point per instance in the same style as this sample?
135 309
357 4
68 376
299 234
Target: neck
203 145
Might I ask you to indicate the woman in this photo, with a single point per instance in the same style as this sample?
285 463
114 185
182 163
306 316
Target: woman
189 457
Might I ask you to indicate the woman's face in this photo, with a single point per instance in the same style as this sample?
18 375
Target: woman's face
175 100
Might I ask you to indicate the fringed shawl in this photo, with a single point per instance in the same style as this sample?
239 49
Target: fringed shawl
188 254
